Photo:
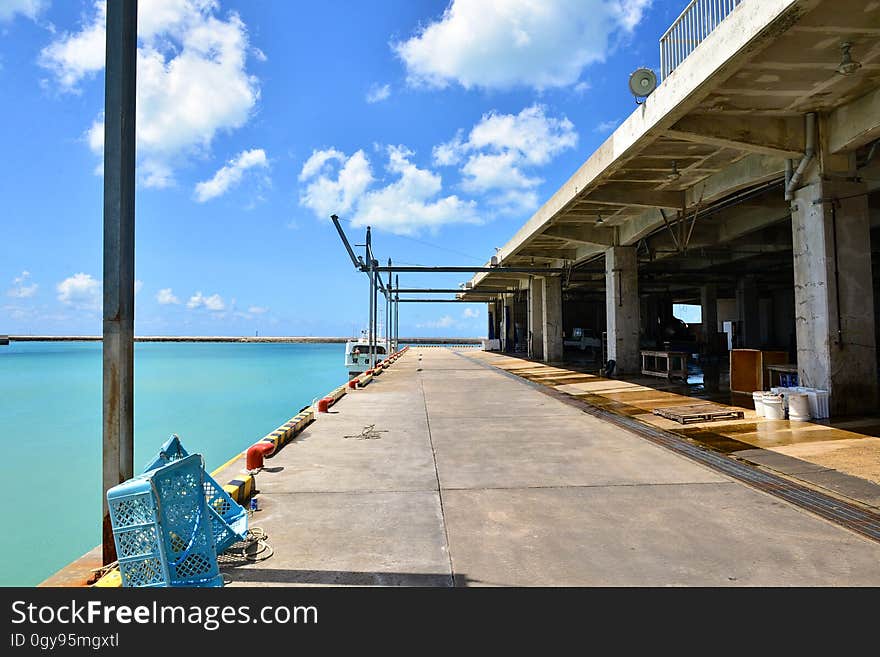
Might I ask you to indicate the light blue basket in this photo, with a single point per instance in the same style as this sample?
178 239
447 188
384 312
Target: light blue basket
161 526
229 520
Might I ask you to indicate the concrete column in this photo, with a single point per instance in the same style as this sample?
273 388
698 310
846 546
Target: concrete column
650 320
709 308
749 312
834 295
622 308
667 317
709 359
536 318
551 301
507 324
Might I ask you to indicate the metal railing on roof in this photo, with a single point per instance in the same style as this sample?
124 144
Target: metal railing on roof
694 24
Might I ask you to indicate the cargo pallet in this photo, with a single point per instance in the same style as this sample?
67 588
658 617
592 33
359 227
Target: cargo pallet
692 413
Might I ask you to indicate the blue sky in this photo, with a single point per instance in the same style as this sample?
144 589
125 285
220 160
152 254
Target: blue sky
443 125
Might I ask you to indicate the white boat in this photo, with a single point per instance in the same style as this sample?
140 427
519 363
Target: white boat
357 354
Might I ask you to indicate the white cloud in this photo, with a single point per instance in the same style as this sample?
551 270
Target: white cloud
450 152
258 310
412 201
80 291
27 8
409 203
326 195
138 285
192 79
629 12
498 150
214 303
166 297
511 43
470 313
378 93
22 288
535 137
606 126
514 201
75 56
444 322
231 174
494 160
487 171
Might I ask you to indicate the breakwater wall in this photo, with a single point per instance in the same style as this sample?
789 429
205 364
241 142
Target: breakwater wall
220 338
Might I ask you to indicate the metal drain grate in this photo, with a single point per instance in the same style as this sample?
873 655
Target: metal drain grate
837 511
830 508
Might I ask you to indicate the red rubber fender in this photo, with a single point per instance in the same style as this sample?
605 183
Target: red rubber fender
353 384
324 404
368 372
256 452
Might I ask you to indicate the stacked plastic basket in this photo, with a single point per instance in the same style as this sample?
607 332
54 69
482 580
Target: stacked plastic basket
170 522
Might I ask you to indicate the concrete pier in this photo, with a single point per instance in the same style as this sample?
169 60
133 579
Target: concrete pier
622 307
749 312
447 471
551 313
834 296
536 318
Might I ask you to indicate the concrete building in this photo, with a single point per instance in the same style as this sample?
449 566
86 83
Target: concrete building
747 183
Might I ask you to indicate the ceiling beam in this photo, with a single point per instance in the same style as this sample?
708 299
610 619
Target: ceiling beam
778 136
554 253
633 196
747 172
582 234
855 124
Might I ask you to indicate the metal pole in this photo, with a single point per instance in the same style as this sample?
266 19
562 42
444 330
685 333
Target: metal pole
538 271
376 280
348 248
442 301
397 313
372 276
388 301
119 191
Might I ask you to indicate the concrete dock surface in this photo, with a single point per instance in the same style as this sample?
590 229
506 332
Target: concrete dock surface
445 471
840 456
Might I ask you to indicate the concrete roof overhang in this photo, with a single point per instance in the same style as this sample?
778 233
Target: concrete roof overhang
728 116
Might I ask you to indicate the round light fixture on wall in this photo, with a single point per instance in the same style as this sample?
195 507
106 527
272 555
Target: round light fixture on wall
642 83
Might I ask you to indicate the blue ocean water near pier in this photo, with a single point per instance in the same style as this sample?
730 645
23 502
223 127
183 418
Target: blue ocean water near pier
218 397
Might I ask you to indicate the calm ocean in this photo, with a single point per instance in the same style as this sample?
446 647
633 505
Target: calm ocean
219 398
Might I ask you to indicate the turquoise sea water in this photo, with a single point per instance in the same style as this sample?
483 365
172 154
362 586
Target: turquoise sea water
219 398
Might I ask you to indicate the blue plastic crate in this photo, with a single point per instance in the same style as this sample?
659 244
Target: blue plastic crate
229 520
171 450
162 527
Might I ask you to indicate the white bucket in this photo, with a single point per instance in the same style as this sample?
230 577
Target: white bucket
773 409
798 407
758 399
